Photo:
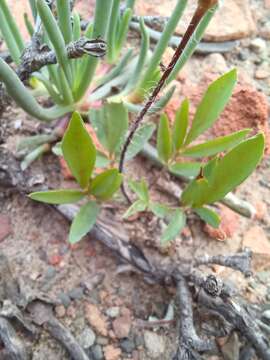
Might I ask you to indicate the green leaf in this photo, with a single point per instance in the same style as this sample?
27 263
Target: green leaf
110 124
101 160
178 221
159 210
209 216
83 221
57 149
222 175
215 146
79 150
106 184
61 196
180 125
187 169
140 188
137 206
164 139
212 104
140 138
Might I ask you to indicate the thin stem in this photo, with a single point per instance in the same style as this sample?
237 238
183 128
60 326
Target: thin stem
197 17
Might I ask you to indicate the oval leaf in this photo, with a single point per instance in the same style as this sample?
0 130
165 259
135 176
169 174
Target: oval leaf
180 125
159 210
164 139
222 175
61 196
79 150
209 216
215 146
83 221
142 135
212 104
140 188
106 184
235 167
111 124
187 169
178 221
137 206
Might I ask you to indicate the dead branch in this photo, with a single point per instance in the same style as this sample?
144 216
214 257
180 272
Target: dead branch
14 348
42 315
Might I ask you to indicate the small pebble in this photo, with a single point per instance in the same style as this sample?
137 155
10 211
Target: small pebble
154 344
113 312
76 293
64 298
96 352
87 338
60 311
127 345
258 45
102 340
50 273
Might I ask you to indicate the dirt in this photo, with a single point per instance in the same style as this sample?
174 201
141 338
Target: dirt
36 243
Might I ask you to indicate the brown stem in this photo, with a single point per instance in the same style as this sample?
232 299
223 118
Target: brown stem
197 17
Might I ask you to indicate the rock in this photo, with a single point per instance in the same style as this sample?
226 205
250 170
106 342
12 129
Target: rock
256 239
87 338
96 352
267 4
64 298
266 316
76 293
154 344
60 311
261 210
112 353
121 326
50 273
54 259
96 319
231 22
258 46
263 72
113 312
71 312
127 345
102 340
5 226
228 225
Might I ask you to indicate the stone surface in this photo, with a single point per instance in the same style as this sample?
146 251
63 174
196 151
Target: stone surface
232 21
96 319
256 239
96 352
154 344
127 345
87 338
112 353
121 326
5 226
113 312
60 311
76 293
258 45
228 225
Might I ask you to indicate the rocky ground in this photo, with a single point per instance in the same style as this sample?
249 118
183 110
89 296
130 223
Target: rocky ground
108 312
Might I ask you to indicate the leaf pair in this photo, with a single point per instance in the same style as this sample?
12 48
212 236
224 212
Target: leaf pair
80 155
111 125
